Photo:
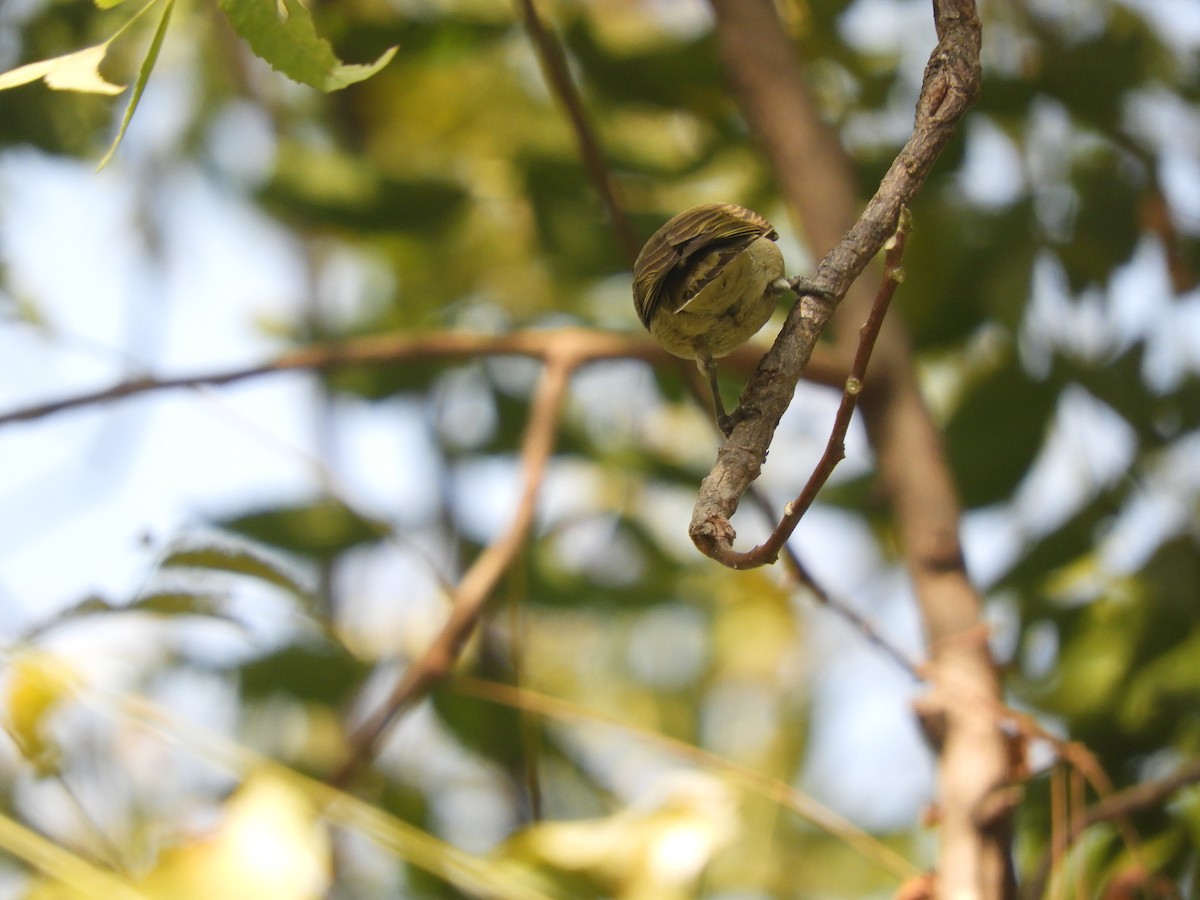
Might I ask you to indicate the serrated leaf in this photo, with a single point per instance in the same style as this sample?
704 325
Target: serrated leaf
237 561
283 34
140 85
77 71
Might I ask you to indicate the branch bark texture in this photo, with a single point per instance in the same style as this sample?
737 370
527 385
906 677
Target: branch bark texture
816 179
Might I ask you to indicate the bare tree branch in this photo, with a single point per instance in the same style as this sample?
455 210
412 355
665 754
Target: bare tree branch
835 448
951 85
477 584
586 345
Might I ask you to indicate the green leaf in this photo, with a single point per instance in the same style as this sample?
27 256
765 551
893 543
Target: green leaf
324 673
1105 229
328 189
156 603
77 71
140 85
283 34
238 561
487 728
178 603
996 433
320 530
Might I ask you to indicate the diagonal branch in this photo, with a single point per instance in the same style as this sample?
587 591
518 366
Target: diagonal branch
835 448
951 84
477 584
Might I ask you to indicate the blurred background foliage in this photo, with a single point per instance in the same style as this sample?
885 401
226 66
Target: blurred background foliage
1050 292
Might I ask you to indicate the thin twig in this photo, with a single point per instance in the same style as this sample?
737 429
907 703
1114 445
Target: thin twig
554 66
859 622
778 791
835 449
1113 808
587 345
477 584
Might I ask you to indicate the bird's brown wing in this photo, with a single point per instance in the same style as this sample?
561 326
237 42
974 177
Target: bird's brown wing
676 263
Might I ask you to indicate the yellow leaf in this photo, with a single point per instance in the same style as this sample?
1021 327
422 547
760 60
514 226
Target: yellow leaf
78 71
268 843
38 683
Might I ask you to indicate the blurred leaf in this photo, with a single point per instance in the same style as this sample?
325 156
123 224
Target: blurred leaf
633 571
1105 228
233 862
323 189
177 603
996 432
1119 383
37 684
620 855
283 34
321 530
963 266
1048 553
1094 662
155 603
315 672
673 74
578 240
237 561
1169 685
489 729
1092 76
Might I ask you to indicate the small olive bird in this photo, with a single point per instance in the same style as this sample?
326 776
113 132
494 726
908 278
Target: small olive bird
706 282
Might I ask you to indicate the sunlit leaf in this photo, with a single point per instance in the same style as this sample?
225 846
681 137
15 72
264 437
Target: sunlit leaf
78 71
140 85
285 36
268 843
38 683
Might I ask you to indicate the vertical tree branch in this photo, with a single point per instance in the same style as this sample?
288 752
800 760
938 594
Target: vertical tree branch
963 705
